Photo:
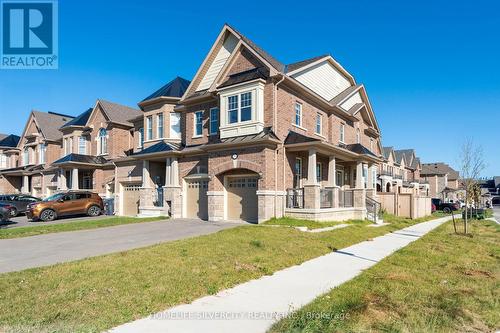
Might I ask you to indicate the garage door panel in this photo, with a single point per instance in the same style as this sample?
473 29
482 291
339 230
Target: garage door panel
242 198
197 201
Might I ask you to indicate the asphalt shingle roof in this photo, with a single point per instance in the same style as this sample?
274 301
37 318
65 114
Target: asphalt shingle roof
175 88
159 147
386 151
252 74
118 113
50 123
10 141
78 158
439 168
296 65
80 120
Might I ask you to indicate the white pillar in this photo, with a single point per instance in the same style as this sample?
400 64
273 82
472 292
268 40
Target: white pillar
311 167
146 178
74 179
168 171
332 172
369 183
63 182
25 187
359 175
175 171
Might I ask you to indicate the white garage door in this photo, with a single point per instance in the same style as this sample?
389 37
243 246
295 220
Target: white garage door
242 198
196 200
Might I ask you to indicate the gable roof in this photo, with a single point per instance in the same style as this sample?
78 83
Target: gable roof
10 141
299 64
386 151
439 168
406 154
252 74
175 88
49 124
117 113
80 120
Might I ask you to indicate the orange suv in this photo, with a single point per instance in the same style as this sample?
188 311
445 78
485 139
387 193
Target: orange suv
65 203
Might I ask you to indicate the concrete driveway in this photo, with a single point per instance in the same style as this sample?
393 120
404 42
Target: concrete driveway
22 221
28 252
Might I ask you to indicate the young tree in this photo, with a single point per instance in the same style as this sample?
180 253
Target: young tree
471 166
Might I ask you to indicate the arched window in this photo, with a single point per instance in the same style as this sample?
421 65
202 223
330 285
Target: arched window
103 141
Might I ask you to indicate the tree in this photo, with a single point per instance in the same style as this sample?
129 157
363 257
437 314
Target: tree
471 166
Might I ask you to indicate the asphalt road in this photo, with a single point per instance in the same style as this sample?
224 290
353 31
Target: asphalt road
22 221
43 250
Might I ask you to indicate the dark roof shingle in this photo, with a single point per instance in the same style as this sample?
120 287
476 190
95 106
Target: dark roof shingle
50 123
175 88
118 113
10 141
80 120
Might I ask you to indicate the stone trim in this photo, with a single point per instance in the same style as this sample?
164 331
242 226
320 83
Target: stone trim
270 192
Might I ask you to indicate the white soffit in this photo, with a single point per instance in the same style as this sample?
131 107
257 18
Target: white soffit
324 79
219 61
354 99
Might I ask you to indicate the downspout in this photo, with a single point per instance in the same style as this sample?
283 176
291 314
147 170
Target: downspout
275 127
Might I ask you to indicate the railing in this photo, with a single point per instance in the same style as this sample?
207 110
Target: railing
295 198
326 198
372 209
398 176
158 197
386 173
346 198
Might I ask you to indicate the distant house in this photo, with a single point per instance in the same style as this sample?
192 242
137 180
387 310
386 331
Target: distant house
490 190
443 180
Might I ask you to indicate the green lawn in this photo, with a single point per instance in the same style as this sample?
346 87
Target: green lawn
291 222
72 226
441 283
98 293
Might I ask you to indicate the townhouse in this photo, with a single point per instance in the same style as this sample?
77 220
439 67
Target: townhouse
400 172
8 159
443 180
250 138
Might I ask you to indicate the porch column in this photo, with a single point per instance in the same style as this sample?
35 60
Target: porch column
175 171
359 175
62 179
74 179
25 186
369 184
168 171
311 167
332 181
146 177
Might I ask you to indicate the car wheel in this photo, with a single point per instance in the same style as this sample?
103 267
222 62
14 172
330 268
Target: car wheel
48 215
94 211
13 212
447 210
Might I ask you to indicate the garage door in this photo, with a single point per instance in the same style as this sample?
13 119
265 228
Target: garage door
197 203
242 198
131 197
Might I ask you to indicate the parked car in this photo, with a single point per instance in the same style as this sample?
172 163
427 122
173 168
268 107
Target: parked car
5 212
446 207
66 203
18 202
433 208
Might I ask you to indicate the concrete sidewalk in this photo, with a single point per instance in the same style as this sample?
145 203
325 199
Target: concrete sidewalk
254 305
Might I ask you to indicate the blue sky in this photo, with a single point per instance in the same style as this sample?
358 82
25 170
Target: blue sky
431 68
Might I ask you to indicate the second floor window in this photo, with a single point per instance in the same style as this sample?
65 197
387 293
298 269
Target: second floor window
26 156
239 108
319 123
3 161
358 136
149 128
141 137
175 125
371 145
82 145
70 145
103 141
214 120
159 125
298 114
198 123
41 153
342 136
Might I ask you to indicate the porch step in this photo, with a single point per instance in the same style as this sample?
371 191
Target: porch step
151 211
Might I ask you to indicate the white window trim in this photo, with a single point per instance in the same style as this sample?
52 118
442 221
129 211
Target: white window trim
98 138
158 123
342 133
176 114
140 134
301 118
253 126
149 128
80 138
320 117
210 132
194 124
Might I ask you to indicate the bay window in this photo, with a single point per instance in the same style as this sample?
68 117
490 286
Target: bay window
26 156
159 126
149 128
41 153
232 109
82 145
175 125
